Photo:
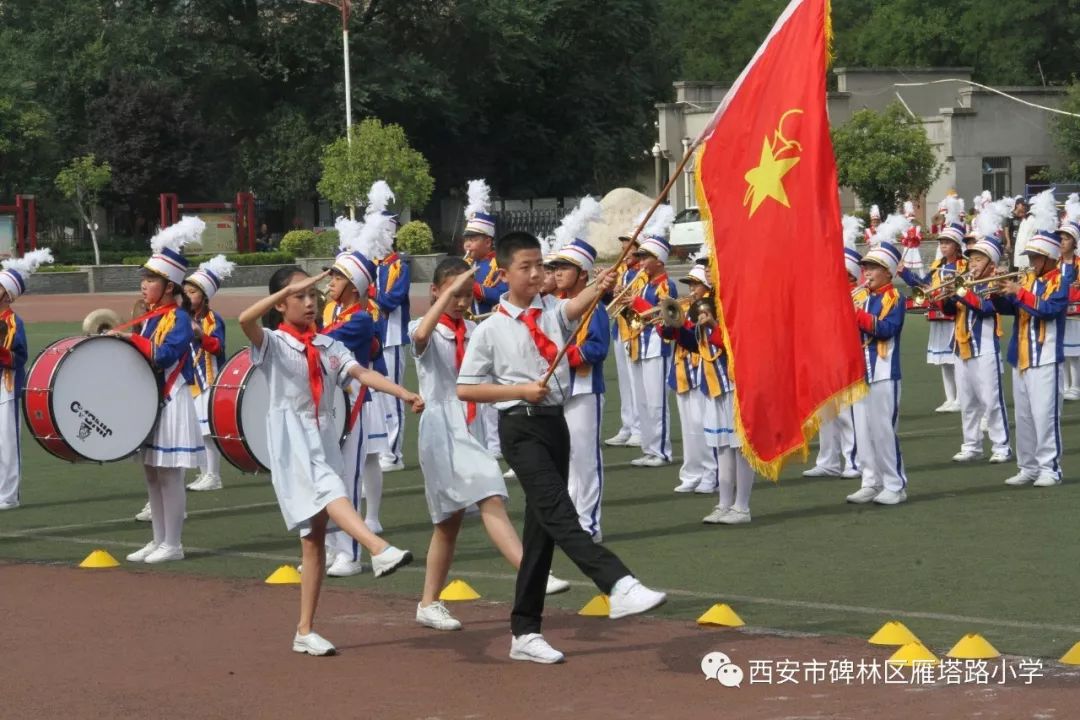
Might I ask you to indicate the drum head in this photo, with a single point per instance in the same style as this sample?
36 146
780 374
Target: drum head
105 399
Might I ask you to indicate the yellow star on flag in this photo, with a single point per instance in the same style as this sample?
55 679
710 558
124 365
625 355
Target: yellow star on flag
767 179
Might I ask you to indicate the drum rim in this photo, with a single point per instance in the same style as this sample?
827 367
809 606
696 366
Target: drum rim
242 436
80 457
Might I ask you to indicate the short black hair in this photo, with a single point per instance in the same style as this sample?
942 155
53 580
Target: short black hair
510 243
279 281
448 267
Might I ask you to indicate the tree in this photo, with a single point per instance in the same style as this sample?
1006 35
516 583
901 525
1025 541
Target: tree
1066 131
82 182
282 163
885 158
377 152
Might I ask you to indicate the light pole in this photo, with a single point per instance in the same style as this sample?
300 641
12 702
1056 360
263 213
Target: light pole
688 175
656 153
345 6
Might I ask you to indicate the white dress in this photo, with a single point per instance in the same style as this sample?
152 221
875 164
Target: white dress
305 460
458 471
720 421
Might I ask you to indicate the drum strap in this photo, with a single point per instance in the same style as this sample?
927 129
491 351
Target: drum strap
173 376
144 317
355 412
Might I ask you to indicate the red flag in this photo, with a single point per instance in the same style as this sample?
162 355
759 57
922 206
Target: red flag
767 189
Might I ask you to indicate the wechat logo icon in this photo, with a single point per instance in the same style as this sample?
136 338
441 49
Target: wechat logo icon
718 666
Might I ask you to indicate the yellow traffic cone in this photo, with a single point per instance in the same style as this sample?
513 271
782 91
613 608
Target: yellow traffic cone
599 606
99 559
894 633
973 647
458 590
722 615
284 575
912 653
1073 656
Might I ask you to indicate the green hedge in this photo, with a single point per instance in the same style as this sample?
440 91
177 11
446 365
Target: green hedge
415 238
308 243
264 258
58 268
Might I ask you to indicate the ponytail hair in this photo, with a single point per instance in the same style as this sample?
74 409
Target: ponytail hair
279 281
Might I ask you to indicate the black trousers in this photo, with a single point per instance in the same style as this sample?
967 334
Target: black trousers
538 449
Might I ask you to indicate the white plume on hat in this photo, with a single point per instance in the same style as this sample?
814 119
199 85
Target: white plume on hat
376 236
547 246
219 265
28 263
353 237
991 217
379 197
875 212
954 210
852 228
479 195
890 229
176 236
575 225
1044 210
660 222
1072 208
909 207
982 200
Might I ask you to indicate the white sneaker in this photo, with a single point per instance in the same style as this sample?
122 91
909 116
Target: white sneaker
1047 481
630 597
735 517
706 487
634 441
344 566
967 456
863 495
312 644
140 555
534 648
164 553
851 474
944 407
1001 457
436 617
497 455
509 474
556 585
390 560
889 497
638 462
1072 394
954 406
9 505
209 481
686 487
618 439
650 461
391 466
144 514
1020 478
716 516
817 471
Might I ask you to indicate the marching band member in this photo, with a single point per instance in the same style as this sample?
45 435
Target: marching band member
698 471
912 241
164 337
584 410
837 455
346 320
208 354
652 354
939 349
978 367
306 460
13 356
1069 232
880 316
632 280
390 299
489 285
1036 349
875 220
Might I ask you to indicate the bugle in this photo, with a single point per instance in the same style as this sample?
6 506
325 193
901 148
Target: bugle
992 283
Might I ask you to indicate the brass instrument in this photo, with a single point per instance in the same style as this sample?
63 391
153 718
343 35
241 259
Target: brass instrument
671 312
102 320
469 315
855 291
994 280
621 301
953 285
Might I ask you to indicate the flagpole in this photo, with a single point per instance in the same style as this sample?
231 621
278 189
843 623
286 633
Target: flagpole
629 246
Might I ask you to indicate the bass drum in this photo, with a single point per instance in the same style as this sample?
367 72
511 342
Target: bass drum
92 399
239 404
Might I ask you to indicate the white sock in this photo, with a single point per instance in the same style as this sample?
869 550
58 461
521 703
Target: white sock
1072 373
725 473
948 378
373 482
175 501
744 483
212 464
157 506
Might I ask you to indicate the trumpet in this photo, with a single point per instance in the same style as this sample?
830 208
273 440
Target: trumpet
469 315
671 312
954 285
994 280
621 300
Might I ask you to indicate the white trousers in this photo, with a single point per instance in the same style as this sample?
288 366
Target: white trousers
876 418
485 428
1037 400
584 414
980 392
654 412
628 417
734 477
363 482
10 456
837 448
1072 373
698 462
394 408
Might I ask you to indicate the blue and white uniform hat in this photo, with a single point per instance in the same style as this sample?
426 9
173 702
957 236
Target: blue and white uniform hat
884 254
1071 225
852 230
954 229
990 247
569 245
699 273
653 239
353 262
478 217
166 246
211 274
15 271
1045 241
658 247
579 253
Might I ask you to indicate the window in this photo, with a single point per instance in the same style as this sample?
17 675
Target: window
996 176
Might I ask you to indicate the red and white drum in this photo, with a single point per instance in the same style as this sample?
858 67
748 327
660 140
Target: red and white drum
92 398
239 404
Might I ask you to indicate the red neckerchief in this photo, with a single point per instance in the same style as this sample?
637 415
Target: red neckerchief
548 350
343 317
655 282
458 328
311 353
389 259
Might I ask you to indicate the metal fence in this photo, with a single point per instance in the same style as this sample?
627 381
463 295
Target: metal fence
538 222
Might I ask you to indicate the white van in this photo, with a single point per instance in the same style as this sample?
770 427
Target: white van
688 232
